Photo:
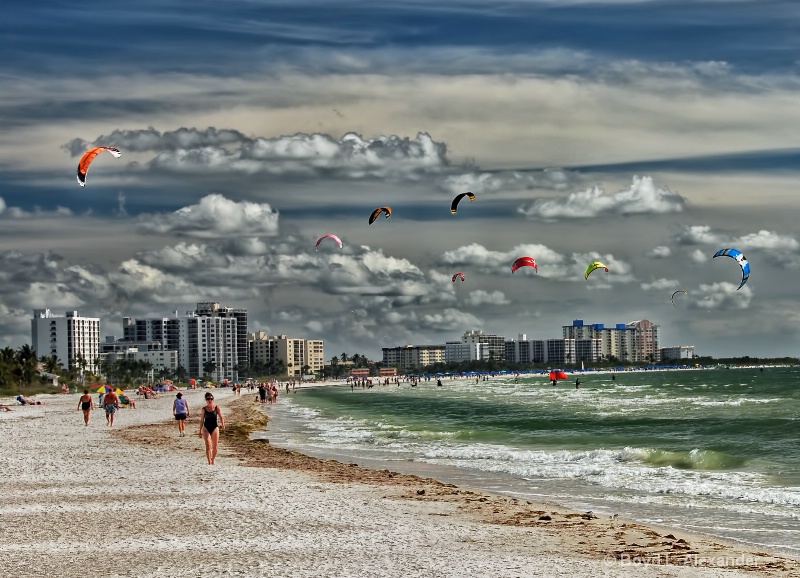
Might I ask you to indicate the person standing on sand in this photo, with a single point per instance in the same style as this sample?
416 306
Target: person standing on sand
180 409
211 421
111 403
86 403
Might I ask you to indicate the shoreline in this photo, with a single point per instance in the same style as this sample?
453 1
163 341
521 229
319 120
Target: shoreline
499 508
139 501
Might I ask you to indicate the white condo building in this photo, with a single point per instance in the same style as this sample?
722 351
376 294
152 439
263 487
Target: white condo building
68 338
202 342
677 353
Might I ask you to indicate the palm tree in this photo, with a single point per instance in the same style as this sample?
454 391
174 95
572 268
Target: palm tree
209 367
80 363
25 357
51 363
343 357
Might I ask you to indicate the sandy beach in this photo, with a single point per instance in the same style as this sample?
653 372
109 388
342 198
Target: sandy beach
137 500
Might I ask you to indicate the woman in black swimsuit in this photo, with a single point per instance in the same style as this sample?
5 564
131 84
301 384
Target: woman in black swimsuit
211 421
86 404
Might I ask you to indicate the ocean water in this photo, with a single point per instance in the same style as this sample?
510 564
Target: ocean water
715 451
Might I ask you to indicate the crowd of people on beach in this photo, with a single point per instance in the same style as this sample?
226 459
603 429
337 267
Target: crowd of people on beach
211 417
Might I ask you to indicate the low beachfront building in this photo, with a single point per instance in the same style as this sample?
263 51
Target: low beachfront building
151 352
71 338
677 353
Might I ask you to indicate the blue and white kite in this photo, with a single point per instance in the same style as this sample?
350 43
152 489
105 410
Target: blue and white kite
741 259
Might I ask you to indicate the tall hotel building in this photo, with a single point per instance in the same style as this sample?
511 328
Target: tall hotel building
67 337
213 309
198 339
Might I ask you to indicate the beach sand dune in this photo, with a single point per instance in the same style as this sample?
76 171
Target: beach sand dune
140 501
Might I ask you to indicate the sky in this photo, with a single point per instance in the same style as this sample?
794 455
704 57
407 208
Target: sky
645 134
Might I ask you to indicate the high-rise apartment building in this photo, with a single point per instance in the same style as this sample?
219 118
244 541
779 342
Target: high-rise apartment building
645 341
69 338
634 341
202 342
213 309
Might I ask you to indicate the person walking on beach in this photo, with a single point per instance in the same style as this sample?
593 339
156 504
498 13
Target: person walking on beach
180 409
211 421
86 404
111 403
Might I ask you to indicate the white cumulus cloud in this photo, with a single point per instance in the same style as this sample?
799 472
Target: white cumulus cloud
481 297
660 252
643 197
215 217
660 285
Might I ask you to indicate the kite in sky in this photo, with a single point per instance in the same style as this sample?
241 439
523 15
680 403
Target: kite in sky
88 157
378 211
328 236
524 262
676 292
594 267
454 204
740 258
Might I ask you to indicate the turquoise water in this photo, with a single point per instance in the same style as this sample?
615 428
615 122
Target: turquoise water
714 451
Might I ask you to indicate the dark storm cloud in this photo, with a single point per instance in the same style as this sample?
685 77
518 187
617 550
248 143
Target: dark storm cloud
313 155
45 108
740 162
151 140
753 35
